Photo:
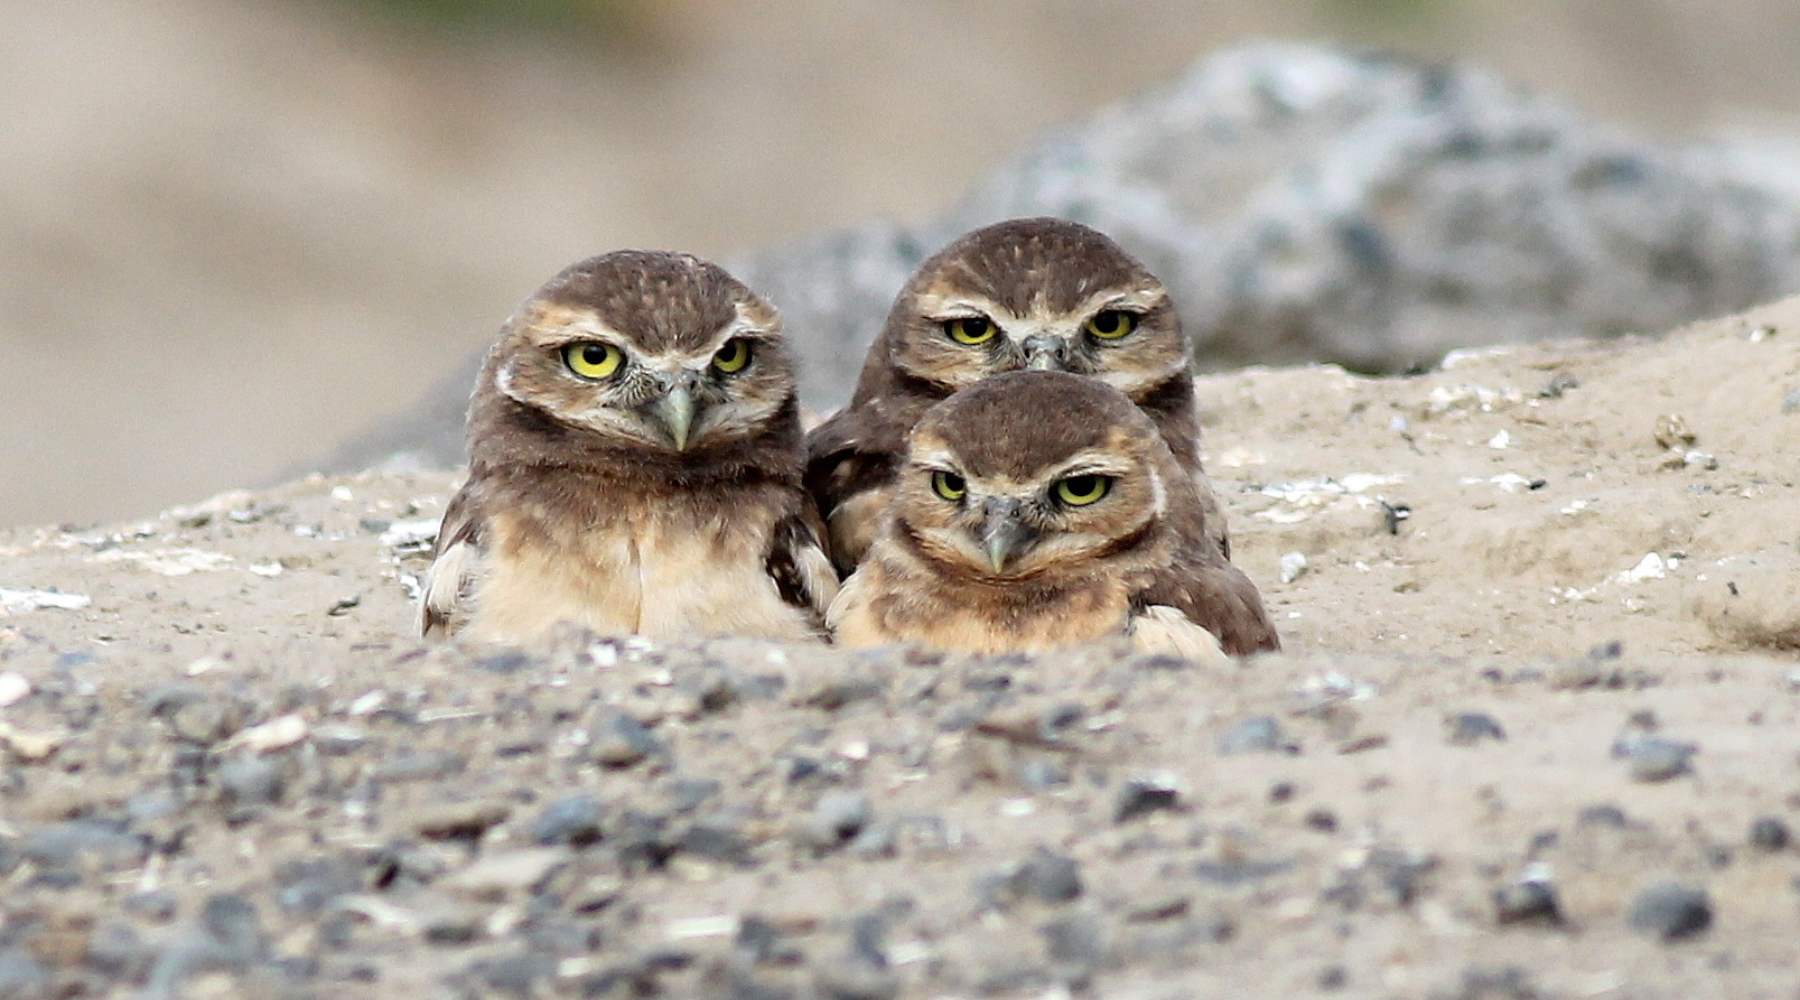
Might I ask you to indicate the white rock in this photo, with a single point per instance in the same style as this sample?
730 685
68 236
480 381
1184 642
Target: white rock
20 601
168 562
283 731
1500 441
13 688
1651 567
270 568
1293 566
402 533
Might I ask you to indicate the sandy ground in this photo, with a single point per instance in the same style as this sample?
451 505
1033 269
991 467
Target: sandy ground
1536 737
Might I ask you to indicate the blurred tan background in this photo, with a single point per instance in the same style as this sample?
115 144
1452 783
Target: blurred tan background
233 232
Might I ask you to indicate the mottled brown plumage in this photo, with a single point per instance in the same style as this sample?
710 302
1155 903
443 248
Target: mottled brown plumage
634 467
1041 509
1040 283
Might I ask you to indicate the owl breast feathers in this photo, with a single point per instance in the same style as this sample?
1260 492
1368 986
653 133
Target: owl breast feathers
634 467
1034 510
1028 294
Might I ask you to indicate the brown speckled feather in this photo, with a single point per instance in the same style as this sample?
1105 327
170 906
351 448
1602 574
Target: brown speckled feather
1042 276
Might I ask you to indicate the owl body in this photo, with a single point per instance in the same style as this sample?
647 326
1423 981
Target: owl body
1036 510
635 459
1028 294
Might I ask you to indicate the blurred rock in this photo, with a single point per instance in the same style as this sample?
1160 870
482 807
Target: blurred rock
1304 203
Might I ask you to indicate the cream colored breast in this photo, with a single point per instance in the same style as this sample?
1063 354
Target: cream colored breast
658 573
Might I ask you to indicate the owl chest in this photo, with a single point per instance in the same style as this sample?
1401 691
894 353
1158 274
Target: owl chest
990 620
658 573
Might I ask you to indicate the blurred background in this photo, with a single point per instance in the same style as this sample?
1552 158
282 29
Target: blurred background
234 232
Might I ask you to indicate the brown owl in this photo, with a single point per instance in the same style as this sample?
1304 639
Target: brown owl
635 462
1043 294
1041 509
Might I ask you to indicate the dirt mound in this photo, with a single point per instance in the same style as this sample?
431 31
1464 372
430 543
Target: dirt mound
1533 735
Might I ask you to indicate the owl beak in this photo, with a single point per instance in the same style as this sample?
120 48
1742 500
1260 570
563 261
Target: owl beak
1045 353
675 409
1003 532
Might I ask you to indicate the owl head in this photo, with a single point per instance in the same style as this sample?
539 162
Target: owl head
660 355
1033 474
1041 294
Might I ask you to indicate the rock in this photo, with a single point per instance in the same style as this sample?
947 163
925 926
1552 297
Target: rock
158 906
461 820
419 765
838 817
1077 940
1145 795
497 876
1304 203
1671 910
231 921
1527 901
251 780
1469 728
1654 759
1260 734
1045 877
1769 833
575 820
84 842
618 740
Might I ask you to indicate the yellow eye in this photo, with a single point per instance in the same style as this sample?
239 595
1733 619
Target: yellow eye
1111 324
593 361
734 357
970 330
949 485
1079 491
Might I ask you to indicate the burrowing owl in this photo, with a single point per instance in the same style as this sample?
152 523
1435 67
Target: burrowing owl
1040 509
1042 294
635 462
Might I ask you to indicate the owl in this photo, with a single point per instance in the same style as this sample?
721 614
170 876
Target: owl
635 466
1035 510
1040 294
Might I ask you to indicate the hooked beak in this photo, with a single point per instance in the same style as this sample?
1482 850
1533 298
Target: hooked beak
1045 353
1003 532
675 409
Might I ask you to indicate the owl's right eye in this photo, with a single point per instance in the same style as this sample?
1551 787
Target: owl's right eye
949 485
593 361
970 330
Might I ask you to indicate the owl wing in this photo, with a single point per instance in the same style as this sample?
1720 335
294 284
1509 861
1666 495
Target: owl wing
797 562
455 564
850 460
1212 594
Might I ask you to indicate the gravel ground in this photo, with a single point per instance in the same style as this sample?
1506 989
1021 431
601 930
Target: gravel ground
1534 736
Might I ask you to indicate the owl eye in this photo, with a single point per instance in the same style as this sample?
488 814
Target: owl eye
734 357
970 330
1079 491
1111 324
593 361
949 485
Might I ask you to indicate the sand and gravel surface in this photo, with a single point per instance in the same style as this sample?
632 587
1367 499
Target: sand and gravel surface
1534 736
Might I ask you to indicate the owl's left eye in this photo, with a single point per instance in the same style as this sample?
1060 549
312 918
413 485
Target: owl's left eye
1112 324
1079 491
593 361
734 357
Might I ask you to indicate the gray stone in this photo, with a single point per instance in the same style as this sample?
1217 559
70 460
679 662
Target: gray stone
249 779
1469 728
1769 833
1671 910
618 740
1304 203
575 819
1259 734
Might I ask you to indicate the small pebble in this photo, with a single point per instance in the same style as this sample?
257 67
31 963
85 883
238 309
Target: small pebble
1045 877
573 819
1653 759
251 780
617 740
1602 815
1260 734
1531 901
1670 911
1769 833
1076 939
461 820
1293 566
1145 795
837 818
13 688
1469 728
